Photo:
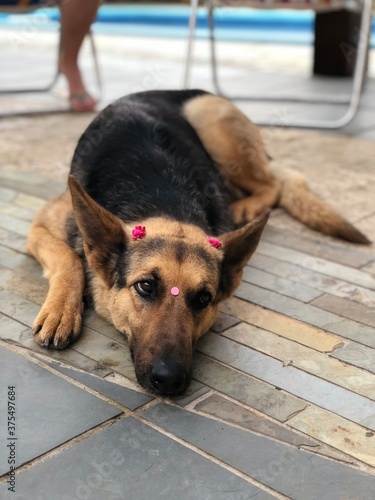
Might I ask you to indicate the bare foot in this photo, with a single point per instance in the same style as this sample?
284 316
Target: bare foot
80 100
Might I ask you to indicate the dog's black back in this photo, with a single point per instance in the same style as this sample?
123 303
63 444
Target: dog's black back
141 158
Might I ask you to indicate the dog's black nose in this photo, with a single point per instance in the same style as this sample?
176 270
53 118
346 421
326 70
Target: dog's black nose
168 377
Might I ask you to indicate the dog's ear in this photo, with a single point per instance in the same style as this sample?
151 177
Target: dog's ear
238 247
103 234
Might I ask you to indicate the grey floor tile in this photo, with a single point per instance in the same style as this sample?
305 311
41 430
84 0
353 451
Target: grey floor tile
49 411
224 321
12 240
316 247
322 393
307 313
318 264
23 264
31 184
318 281
127 397
347 309
283 286
231 412
14 224
356 354
25 338
130 460
194 391
18 308
9 328
296 473
15 211
250 391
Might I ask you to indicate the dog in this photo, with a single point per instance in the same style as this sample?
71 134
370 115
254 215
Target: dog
169 192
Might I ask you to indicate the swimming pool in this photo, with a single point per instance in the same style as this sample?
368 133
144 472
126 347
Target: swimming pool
267 26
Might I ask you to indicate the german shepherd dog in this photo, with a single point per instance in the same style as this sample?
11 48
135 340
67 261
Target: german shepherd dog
169 192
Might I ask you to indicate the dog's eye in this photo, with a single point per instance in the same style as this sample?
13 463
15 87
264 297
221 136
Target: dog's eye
145 288
202 299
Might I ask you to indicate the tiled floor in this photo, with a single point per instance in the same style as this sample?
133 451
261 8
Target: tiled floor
282 404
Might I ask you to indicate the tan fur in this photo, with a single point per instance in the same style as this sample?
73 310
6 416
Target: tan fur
305 206
235 144
59 320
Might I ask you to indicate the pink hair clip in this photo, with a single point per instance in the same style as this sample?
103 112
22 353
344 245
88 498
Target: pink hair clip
214 242
175 291
139 232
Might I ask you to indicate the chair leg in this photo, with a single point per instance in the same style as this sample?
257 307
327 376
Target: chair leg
353 100
189 55
98 76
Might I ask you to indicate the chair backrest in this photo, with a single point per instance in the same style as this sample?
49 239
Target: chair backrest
316 5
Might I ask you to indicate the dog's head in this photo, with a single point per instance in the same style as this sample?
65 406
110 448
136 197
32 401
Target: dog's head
160 286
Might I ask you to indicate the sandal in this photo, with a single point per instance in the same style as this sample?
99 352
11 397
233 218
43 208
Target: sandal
82 102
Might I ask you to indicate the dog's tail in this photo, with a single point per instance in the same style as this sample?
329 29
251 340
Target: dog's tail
301 203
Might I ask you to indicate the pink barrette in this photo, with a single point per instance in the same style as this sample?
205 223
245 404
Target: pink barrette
138 232
175 291
214 242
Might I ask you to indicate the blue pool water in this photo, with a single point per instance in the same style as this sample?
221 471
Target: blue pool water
267 26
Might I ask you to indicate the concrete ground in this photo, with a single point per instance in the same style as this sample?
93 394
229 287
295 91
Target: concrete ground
282 403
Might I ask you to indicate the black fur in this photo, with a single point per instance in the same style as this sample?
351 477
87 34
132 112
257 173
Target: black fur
140 158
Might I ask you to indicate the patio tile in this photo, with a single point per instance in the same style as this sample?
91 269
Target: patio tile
321 392
18 212
307 313
7 194
246 389
295 473
31 184
49 410
370 267
356 354
18 308
131 460
308 360
233 413
317 264
14 224
107 352
282 325
194 391
10 329
297 274
339 433
280 285
12 240
100 325
127 397
347 308
30 289
16 332
316 247
223 322
28 201
23 264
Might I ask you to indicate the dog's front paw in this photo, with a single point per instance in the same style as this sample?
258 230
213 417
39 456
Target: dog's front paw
58 323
